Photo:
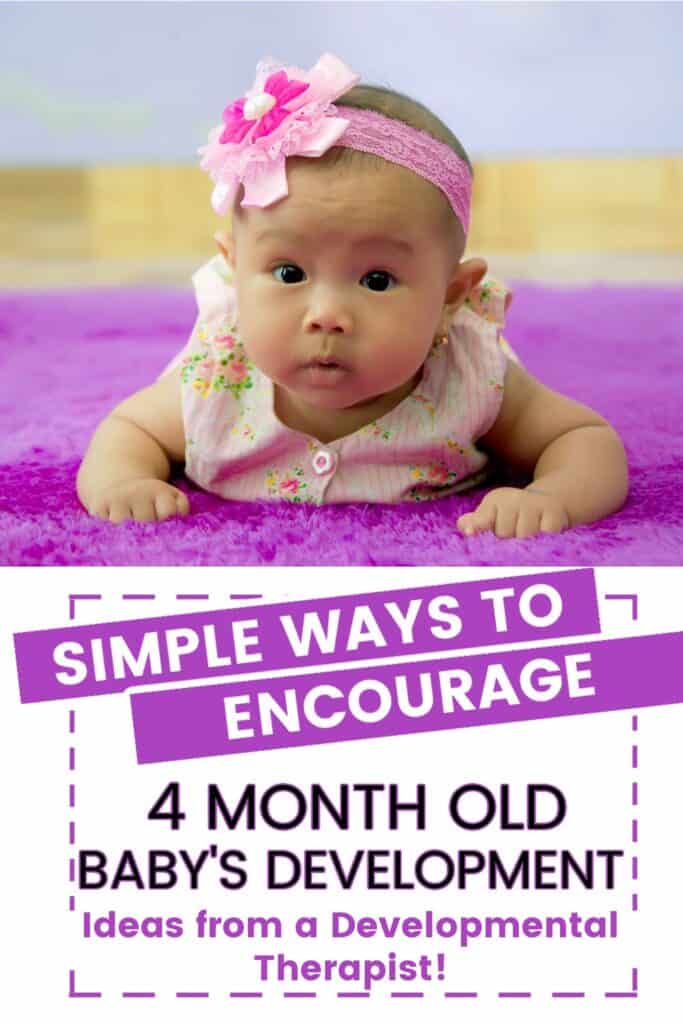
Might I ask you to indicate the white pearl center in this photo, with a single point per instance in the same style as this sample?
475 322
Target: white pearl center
257 106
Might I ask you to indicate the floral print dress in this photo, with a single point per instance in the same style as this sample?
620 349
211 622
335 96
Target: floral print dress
424 448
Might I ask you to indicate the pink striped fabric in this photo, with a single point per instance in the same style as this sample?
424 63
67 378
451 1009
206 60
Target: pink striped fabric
423 449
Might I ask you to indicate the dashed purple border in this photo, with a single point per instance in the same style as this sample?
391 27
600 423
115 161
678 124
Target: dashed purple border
634 804
72 803
412 994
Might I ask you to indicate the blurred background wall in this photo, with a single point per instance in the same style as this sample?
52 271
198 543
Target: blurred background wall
571 112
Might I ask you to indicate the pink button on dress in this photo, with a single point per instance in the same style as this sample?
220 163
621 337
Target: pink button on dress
424 448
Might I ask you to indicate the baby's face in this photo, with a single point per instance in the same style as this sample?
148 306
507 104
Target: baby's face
341 285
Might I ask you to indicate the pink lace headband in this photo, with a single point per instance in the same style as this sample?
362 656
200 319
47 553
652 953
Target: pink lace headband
290 112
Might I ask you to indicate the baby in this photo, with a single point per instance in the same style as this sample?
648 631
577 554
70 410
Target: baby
344 351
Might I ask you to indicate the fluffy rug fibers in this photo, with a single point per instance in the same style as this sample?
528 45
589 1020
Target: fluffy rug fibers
68 356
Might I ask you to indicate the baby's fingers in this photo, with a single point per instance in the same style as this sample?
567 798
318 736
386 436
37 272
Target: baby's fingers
99 509
120 509
505 524
528 522
554 520
171 502
483 518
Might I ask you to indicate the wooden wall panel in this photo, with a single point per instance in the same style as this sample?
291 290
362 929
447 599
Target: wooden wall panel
579 205
149 211
43 212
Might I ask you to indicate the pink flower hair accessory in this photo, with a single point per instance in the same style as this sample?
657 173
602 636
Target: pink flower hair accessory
290 112
287 112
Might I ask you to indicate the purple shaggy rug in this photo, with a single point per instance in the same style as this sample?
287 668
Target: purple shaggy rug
68 356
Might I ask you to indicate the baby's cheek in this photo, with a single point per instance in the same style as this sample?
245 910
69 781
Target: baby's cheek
401 355
267 352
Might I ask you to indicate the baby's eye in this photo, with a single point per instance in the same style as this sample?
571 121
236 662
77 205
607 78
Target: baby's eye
290 272
378 280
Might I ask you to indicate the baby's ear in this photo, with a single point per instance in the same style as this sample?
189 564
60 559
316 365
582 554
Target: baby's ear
226 245
474 271
468 276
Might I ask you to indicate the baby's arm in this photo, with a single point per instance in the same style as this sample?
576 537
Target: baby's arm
577 460
128 461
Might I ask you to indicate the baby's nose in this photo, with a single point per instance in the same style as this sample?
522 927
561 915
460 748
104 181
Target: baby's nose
325 325
328 316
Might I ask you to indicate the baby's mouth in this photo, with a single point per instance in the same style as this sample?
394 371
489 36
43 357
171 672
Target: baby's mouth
325 363
326 372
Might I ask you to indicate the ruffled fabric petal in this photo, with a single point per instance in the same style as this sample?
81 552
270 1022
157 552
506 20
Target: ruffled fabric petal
302 122
283 88
265 185
236 127
267 124
223 197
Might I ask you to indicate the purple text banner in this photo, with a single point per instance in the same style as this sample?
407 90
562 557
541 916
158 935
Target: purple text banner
449 693
86 661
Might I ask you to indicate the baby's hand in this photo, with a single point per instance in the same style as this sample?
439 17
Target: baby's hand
146 501
511 512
